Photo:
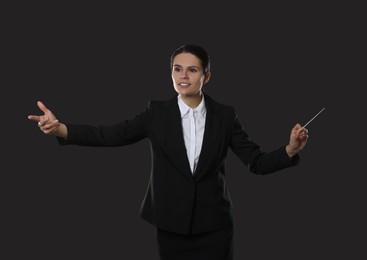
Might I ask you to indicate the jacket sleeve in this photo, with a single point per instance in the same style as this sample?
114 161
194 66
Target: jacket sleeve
123 133
251 154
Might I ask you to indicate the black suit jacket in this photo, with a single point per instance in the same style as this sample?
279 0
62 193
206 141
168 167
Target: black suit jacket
176 200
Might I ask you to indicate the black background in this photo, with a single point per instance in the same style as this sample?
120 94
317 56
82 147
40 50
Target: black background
277 64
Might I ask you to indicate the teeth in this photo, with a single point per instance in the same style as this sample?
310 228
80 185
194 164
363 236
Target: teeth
183 84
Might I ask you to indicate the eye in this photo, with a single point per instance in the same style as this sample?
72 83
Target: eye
193 70
176 68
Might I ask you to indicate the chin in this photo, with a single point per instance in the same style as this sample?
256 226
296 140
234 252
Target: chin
186 93
182 91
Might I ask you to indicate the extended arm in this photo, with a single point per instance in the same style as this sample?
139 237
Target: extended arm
261 162
123 133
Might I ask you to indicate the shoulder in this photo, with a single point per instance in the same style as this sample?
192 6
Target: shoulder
215 105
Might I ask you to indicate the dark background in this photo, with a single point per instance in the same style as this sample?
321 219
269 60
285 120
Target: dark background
277 64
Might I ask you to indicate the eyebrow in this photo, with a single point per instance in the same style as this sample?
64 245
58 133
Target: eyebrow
193 66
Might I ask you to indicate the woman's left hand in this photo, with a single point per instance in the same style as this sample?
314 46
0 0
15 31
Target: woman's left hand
297 140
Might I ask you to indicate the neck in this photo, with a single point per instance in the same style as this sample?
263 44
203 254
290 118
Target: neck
192 101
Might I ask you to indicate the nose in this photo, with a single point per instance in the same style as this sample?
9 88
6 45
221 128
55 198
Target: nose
184 74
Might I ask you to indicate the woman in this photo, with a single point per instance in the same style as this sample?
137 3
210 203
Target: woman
187 199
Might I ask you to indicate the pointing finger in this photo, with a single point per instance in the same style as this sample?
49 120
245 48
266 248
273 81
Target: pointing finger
34 118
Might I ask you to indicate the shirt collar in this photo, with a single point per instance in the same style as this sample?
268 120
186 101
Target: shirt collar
185 109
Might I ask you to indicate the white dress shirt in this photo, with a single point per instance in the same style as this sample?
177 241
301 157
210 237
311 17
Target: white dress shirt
193 125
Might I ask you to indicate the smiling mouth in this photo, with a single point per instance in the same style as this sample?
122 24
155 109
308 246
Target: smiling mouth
184 85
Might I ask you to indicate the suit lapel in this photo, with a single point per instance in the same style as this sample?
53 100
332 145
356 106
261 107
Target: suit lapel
174 141
213 124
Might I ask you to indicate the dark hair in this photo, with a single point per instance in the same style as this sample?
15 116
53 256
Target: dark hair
196 50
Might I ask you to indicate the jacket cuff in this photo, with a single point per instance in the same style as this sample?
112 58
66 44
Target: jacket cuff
294 160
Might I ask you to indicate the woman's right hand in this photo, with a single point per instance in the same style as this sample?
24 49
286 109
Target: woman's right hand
48 123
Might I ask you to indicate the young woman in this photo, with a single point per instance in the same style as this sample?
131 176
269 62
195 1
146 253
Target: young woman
187 199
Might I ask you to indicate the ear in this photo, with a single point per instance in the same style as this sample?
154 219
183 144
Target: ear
207 77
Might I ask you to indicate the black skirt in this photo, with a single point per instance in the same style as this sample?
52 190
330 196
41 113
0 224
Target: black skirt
214 245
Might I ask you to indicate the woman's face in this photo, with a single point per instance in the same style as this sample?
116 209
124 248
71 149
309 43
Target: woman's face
188 75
